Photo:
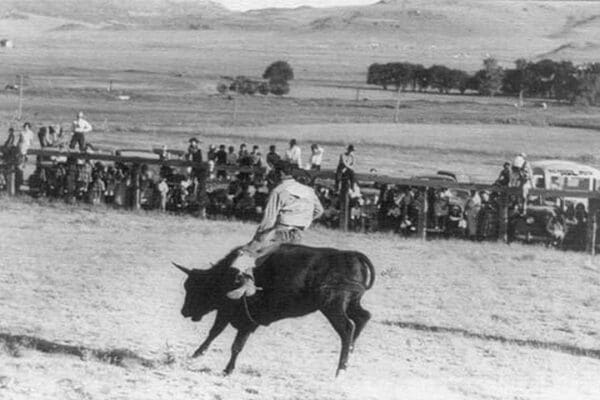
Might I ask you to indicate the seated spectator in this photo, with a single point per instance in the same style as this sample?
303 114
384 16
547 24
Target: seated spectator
256 157
272 157
232 157
212 153
243 152
504 177
221 160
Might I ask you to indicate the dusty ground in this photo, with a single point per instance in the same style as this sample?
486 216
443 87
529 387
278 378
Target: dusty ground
450 319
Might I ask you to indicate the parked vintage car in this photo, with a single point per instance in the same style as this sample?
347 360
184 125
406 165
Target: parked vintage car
542 224
456 202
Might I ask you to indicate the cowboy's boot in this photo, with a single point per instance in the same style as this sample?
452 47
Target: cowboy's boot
247 288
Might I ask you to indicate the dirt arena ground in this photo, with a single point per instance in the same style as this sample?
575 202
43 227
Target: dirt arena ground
449 321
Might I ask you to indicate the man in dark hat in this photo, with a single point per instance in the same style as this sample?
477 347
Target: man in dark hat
345 168
291 209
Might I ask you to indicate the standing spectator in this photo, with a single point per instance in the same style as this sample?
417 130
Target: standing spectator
97 189
84 178
25 139
504 177
232 158
80 128
441 208
194 153
24 142
345 168
472 209
316 157
221 161
272 157
163 191
293 155
11 140
521 177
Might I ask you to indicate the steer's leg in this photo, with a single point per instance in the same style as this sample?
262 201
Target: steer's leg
360 316
219 325
344 326
236 348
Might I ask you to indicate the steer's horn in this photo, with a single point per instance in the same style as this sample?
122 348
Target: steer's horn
184 269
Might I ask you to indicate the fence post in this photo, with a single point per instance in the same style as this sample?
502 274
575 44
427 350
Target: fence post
137 195
344 205
11 179
503 217
422 222
592 226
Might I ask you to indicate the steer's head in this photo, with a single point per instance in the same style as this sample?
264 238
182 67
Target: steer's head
202 292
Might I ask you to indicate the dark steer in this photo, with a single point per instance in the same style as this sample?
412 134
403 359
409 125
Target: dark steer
295 281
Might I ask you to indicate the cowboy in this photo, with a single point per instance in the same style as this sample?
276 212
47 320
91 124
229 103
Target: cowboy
290 210
293 155
346 167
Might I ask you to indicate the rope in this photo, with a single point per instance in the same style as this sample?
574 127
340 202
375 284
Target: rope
248 311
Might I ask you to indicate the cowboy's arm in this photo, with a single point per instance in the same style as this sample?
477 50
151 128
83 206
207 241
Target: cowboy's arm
318 211
271 213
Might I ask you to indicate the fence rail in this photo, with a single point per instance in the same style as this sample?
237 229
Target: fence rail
423 185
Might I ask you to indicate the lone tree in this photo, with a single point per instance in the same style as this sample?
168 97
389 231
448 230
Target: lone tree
490 77
279 72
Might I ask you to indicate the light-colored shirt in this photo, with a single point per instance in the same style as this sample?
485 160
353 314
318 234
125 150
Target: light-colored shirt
294 155
25 141
80 125
316 157
291 203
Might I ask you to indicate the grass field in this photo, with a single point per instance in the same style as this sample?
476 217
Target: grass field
449 321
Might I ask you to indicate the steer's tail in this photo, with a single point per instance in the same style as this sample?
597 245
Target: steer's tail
367 263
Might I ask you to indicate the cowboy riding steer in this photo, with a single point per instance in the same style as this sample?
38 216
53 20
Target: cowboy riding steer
294 281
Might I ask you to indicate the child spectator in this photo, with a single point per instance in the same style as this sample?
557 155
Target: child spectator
97 190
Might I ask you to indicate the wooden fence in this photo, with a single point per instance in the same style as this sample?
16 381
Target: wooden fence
593 198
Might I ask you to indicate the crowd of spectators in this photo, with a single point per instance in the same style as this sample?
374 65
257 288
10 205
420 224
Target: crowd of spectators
237 182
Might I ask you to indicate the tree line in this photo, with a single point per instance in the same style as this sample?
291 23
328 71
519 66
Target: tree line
561 80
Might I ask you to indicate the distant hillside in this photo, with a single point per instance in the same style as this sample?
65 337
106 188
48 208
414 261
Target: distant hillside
140 12
463 29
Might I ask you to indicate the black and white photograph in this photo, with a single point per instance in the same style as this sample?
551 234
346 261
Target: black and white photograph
299 199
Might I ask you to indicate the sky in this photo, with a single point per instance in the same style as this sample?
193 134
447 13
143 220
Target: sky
243 5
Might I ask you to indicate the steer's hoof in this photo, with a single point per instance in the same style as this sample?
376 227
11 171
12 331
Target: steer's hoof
227 372
198 353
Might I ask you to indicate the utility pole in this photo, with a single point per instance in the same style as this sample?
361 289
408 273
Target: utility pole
20 112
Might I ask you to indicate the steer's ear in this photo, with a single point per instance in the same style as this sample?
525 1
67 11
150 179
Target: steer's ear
183 269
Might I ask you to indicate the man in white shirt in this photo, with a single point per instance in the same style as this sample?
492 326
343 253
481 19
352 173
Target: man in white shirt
25 139
293 155
80 128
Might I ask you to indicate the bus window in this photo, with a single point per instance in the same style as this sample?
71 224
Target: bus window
578 183
555 183
539 182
